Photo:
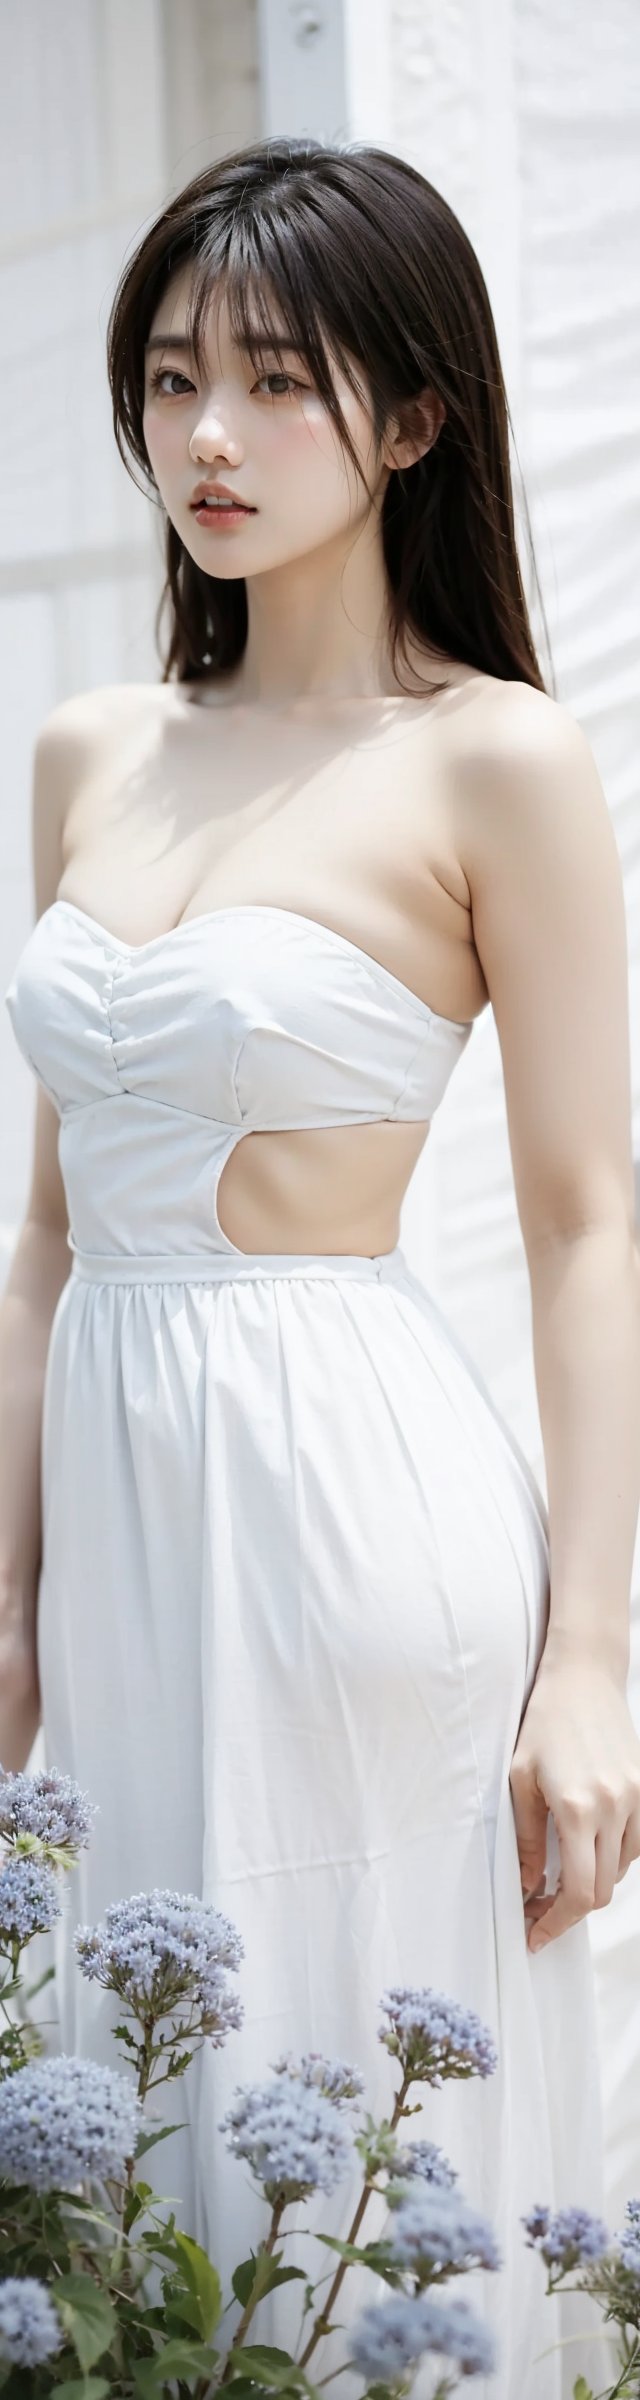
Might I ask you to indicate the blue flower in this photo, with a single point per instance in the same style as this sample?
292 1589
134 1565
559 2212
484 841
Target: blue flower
420 2161
48 1805
568 2239
294 2139
388 2338
433 2037
628 2248
30 2329
158 1950
438 2228
338 2081
62 2119
627 2242
29 1898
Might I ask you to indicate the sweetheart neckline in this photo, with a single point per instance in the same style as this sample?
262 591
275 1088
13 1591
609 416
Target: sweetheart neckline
244 908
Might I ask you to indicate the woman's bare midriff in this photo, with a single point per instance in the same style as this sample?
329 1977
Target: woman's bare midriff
343 812
331 1189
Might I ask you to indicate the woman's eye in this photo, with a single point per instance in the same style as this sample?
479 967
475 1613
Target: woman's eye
275 377
159 378
171 375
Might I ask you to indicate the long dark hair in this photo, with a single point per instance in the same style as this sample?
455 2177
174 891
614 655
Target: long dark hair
360 250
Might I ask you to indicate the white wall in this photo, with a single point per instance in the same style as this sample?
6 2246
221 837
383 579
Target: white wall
526 114
103 109
533 137
528 119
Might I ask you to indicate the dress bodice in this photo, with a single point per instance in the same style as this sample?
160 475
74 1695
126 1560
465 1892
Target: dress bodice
159 1057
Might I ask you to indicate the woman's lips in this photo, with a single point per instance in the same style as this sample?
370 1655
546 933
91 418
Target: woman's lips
221 516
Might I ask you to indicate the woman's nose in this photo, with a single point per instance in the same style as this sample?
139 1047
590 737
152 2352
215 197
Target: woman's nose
209 435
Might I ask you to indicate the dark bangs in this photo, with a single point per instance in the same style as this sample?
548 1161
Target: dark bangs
248 258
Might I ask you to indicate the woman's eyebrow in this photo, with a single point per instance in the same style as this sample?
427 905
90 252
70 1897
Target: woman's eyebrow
257 340
260 339
168 341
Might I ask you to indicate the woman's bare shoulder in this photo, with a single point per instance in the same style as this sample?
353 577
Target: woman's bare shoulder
88 717
498 716
501 749
533 715
77 740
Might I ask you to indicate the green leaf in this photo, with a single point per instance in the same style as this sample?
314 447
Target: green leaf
582 2390
371 2254
136 2203
162 2245
88 2315
346 2249
243 2279
263 2354
178 2066
272 2271
147 2141
90 2387
284 2275
244 2388
271 2365
203 2284
177 2358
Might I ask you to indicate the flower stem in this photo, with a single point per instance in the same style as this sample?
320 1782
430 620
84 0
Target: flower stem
146 2058
264 2251
321 2323
621 2386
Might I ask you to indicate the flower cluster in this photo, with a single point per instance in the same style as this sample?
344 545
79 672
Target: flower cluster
294 2139
629 2247
339 2082
66 2122
392 2337
433 2037
423 2162
159 1950
48 1807
569 2239
65 2118
628 2241
29 1899
436 2229
30 2328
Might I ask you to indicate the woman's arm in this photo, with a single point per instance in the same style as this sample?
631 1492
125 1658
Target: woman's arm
586 1339
38 1270
549 926
549 923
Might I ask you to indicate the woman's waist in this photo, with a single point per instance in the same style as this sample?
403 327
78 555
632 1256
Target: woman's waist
255 1195
213 1266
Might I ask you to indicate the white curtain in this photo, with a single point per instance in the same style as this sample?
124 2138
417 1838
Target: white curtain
526 114
104 108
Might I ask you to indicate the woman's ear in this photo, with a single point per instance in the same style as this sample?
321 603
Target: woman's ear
424 418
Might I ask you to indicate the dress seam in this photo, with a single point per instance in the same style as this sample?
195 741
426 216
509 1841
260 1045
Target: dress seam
406 1077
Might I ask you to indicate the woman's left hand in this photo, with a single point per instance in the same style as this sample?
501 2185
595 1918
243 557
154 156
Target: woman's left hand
578 1756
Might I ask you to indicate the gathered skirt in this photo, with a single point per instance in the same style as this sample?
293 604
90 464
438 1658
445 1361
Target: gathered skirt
294 1592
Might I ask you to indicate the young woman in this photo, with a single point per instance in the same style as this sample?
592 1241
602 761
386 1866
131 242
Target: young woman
296 1626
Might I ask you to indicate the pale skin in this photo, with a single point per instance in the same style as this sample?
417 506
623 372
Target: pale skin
466 844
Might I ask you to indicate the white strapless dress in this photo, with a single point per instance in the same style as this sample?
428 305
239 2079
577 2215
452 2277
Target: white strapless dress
294 1591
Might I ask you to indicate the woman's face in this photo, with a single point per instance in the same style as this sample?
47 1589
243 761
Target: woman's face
267 436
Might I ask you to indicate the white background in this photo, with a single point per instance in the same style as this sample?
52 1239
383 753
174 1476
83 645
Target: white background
526 115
